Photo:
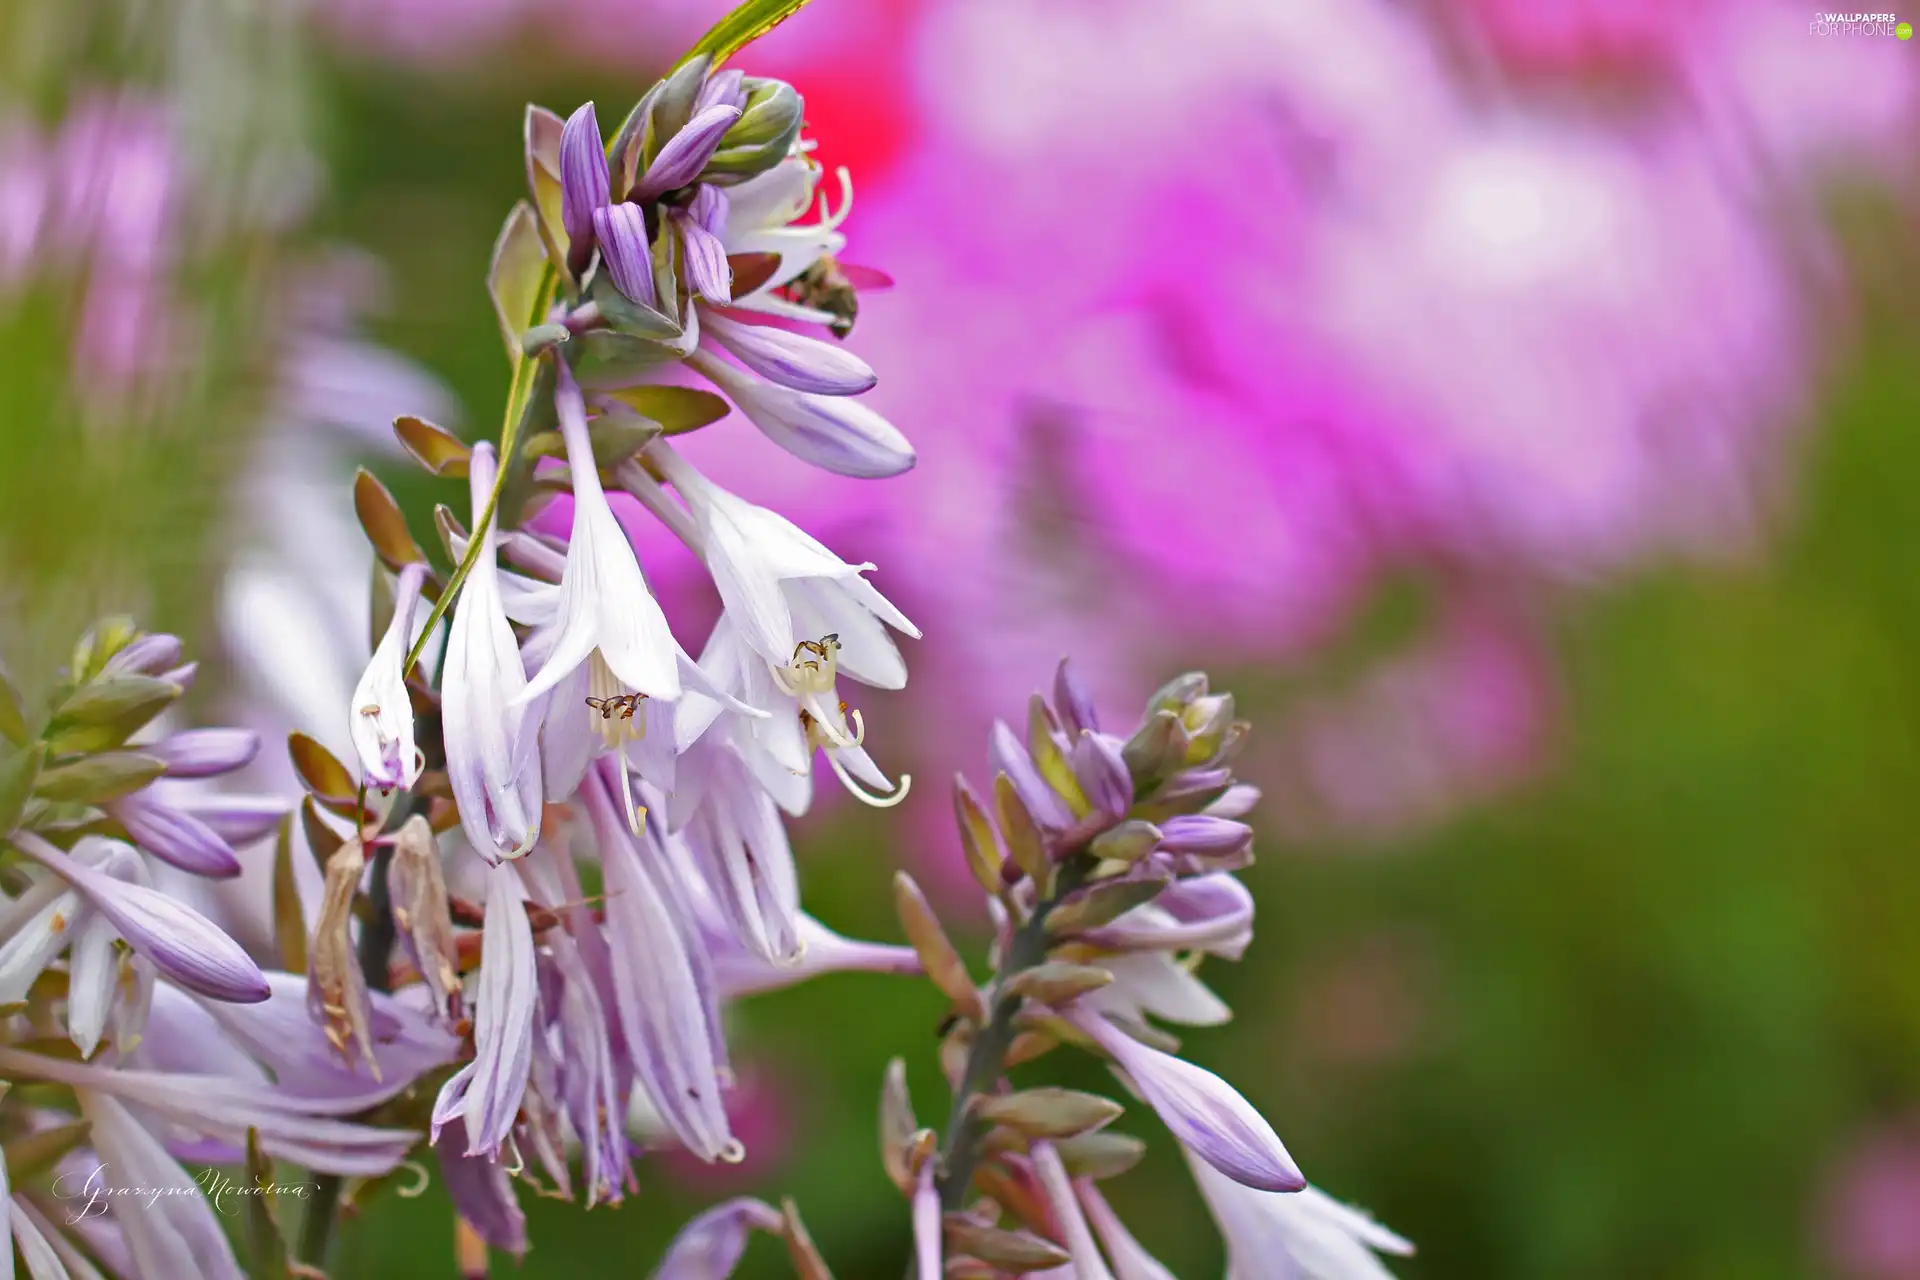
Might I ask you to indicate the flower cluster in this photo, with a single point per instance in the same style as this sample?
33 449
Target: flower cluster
1108 866
617 802
137 1033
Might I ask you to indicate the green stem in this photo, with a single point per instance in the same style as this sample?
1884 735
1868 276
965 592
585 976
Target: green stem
524 372
986 1061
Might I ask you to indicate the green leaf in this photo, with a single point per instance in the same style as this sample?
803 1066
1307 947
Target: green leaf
678 410
603 360
435 448
13 713
104 713
17 778
742 27
542 142
514 278
97 779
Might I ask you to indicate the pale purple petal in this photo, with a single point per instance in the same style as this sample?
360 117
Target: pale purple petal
1204 1112
927 1222
705 259
583 175
1009 756
686 153
205 753
722 88
175 837
835 433
487 1091
1081 1247
1072 701
183 944
481 1190
1130 1260
791 359
709 1246
1102 774
1204 836
491 763
149 655
624 250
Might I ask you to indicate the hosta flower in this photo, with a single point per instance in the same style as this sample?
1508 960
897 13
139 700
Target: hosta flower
709 1246
605 613
1307 1232
382 713
665 994
486 1092
182 944
1209 1117
492 761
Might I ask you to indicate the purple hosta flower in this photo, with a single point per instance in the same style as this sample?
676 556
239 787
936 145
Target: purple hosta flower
790 359
1009 755
205 753
382 714
487 1090
709 1246
584 187
605 611
741 972
106 984
927 1224
492 761
686 153
183 945
174 836
221 1109
481 1189
156 819
733 829
664 989
621 231
1209 1117
1129 1257
835 433
1087 1264
775 747
591 1086
806 613
702 253
169 1226
1207 914
1307 1233
277 1040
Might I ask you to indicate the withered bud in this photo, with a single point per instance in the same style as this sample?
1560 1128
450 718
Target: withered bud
336 991
937 954
1048 1112
421 914
1016 1251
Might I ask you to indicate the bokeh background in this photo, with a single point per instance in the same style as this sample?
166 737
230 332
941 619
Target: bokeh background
1513 401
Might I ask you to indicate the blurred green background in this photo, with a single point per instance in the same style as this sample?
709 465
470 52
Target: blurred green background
1627 1020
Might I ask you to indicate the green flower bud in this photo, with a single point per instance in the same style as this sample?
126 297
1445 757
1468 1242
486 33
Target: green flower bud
763 135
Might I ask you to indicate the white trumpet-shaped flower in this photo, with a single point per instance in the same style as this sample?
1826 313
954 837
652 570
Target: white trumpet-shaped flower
491 761
382 720
604 614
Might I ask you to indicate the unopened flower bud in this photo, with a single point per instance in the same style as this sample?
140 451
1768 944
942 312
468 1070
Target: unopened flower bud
761 137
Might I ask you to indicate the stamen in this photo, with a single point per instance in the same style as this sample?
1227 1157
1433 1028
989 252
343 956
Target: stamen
864 796
829 221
